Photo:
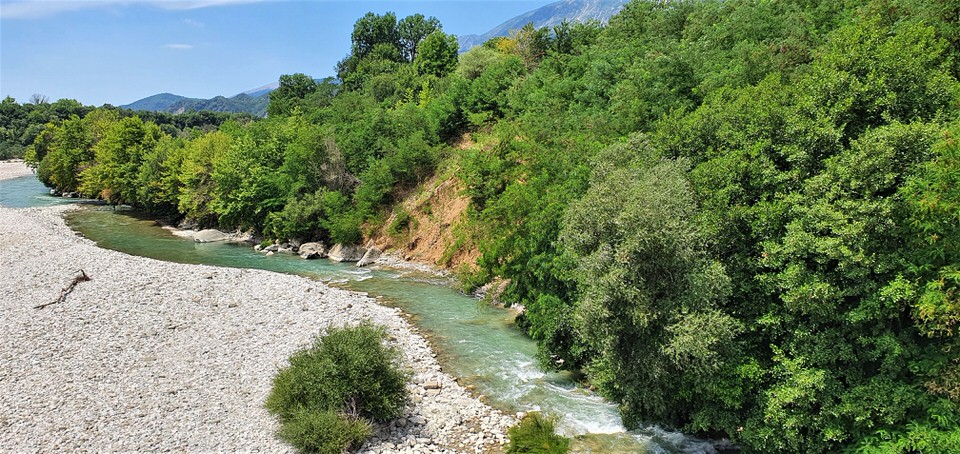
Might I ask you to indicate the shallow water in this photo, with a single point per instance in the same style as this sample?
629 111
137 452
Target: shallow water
27 191
476 343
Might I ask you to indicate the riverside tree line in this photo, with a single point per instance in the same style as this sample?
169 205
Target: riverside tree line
737 218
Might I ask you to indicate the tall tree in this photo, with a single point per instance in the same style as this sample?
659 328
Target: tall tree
650 296
291 93
412 30
373 29
437 54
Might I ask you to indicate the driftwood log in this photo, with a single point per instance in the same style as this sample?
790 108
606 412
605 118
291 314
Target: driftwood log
82 277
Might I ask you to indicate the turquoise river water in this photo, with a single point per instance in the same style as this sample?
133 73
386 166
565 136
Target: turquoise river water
476 343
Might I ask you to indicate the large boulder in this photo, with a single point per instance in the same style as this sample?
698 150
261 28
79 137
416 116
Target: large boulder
210 236
370 257
346 253
242 237
271 248
311 251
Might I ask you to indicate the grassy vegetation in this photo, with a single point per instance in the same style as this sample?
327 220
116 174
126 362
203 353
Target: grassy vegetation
536 434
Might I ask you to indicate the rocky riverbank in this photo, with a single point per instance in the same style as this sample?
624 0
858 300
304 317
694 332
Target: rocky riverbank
155 356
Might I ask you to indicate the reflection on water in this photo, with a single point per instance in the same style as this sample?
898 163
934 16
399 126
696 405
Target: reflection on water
475 342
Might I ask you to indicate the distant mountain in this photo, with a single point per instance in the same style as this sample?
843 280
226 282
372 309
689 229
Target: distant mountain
157 103
262 90
242 103
254 104
548 16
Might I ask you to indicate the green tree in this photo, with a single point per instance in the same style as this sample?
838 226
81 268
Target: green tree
293 89
247 182
933 200
195 176
373 29
69 153
118 158
158 185
530 43
650 303
412 30
437 54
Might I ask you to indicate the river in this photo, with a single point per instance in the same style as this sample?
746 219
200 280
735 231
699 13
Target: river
477 343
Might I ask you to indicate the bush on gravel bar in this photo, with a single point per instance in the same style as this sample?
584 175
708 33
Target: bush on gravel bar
329 395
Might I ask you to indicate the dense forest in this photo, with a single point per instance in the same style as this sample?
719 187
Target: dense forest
22 124
736 218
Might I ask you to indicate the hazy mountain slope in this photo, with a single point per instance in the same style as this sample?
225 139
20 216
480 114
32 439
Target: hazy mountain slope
262 90
549 15
158 103
242 103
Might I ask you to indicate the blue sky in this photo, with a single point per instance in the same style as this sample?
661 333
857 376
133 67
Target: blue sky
119 51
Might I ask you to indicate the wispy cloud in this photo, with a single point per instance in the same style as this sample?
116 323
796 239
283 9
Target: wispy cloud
196 4
179 46
37 9
34 9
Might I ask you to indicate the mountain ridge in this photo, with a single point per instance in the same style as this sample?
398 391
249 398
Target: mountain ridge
254 104
548 16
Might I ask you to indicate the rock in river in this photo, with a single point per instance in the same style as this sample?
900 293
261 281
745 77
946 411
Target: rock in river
346 253
210 236
313 251
370 257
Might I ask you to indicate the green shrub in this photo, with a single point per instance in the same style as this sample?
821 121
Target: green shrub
324 431
324 215
400 222
349 375
345 227
535 434
469 278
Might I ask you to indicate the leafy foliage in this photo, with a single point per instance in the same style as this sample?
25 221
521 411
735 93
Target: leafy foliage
324 432
331 391
437 54
290 94
535 434
643 274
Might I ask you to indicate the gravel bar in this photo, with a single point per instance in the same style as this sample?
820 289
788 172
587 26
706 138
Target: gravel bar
157 356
